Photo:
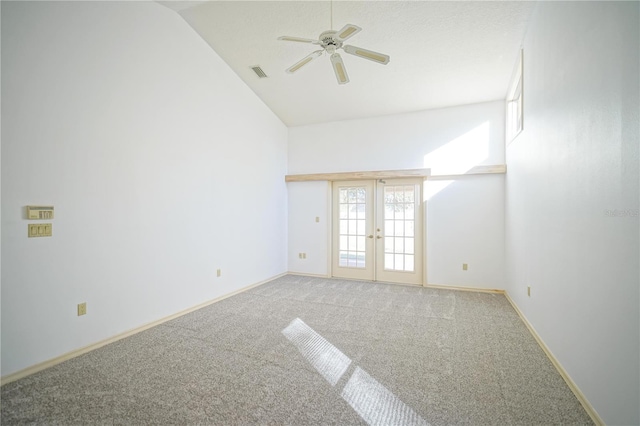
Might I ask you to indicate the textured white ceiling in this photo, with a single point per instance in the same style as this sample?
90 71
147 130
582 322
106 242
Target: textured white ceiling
443 53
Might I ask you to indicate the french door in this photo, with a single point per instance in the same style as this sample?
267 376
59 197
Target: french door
377 230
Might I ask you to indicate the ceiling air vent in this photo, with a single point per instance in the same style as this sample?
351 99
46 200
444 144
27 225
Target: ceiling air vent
259 72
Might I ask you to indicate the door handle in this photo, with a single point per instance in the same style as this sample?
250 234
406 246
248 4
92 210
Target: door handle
378 237
370 236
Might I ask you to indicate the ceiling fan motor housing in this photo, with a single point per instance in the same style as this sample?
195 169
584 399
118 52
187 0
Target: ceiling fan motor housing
328 39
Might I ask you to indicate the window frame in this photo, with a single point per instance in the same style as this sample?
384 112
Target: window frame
514 104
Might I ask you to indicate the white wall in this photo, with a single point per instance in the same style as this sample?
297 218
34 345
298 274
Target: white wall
465 219
577 159
308 201
465 224
125 120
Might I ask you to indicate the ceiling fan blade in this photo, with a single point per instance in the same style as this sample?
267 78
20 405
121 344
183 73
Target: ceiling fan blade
304 61
299 39
347 32
339 69
367 54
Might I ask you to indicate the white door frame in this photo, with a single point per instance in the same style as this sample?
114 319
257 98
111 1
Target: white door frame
421 270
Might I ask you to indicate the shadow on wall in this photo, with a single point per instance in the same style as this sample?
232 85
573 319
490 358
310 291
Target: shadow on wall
457 157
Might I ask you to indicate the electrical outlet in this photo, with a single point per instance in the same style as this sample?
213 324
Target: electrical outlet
317 219
465 266
218 272
82 308
529 290
304 255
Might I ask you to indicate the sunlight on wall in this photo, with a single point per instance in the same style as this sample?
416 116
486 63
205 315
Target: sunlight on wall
432 187
457 157
461 154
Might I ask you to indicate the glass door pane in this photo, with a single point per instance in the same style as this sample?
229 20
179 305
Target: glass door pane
399 231
352 230
399 227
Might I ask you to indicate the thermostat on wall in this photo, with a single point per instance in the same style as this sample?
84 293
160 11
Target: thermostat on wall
40 212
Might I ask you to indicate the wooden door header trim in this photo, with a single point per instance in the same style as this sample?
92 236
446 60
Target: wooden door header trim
393 174
373 175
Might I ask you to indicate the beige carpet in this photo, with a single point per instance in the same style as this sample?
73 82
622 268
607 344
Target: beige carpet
306 351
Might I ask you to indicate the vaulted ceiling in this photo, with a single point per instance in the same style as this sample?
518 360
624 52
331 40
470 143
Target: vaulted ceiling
443 53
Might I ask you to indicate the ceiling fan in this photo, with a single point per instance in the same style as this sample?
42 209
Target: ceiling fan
331 41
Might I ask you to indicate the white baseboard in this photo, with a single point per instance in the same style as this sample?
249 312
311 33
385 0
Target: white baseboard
462 288
304 274
69 355
574 388
439 286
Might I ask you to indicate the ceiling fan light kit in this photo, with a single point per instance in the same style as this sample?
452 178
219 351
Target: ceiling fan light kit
331 41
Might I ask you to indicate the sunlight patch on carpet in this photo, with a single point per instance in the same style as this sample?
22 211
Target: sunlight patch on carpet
326 358
373 402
